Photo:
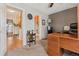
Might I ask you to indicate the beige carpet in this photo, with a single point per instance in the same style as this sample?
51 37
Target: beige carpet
44 44
34 50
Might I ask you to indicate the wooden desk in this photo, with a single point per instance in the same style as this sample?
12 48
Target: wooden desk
56 41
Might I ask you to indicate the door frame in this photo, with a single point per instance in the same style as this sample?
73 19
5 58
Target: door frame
21 23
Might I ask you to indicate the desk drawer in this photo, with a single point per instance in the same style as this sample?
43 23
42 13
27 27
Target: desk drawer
70 44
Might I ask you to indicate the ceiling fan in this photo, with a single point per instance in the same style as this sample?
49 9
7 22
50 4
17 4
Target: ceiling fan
51 4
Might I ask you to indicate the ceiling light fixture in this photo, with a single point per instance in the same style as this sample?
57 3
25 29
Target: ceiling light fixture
10 10
51 4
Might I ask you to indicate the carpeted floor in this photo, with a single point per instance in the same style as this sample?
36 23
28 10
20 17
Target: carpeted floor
34 50
44 44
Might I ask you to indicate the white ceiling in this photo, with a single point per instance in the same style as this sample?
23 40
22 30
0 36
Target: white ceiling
43 7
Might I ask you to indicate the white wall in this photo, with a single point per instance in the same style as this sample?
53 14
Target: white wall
3 39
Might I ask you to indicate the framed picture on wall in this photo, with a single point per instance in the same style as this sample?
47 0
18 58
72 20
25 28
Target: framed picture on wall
43 21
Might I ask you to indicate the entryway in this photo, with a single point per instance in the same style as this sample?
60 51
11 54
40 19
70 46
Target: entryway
14 28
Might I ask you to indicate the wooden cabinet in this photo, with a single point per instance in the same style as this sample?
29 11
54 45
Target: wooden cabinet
53 45
57 41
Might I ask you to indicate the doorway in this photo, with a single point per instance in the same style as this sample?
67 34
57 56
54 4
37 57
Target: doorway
37 23
14 28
